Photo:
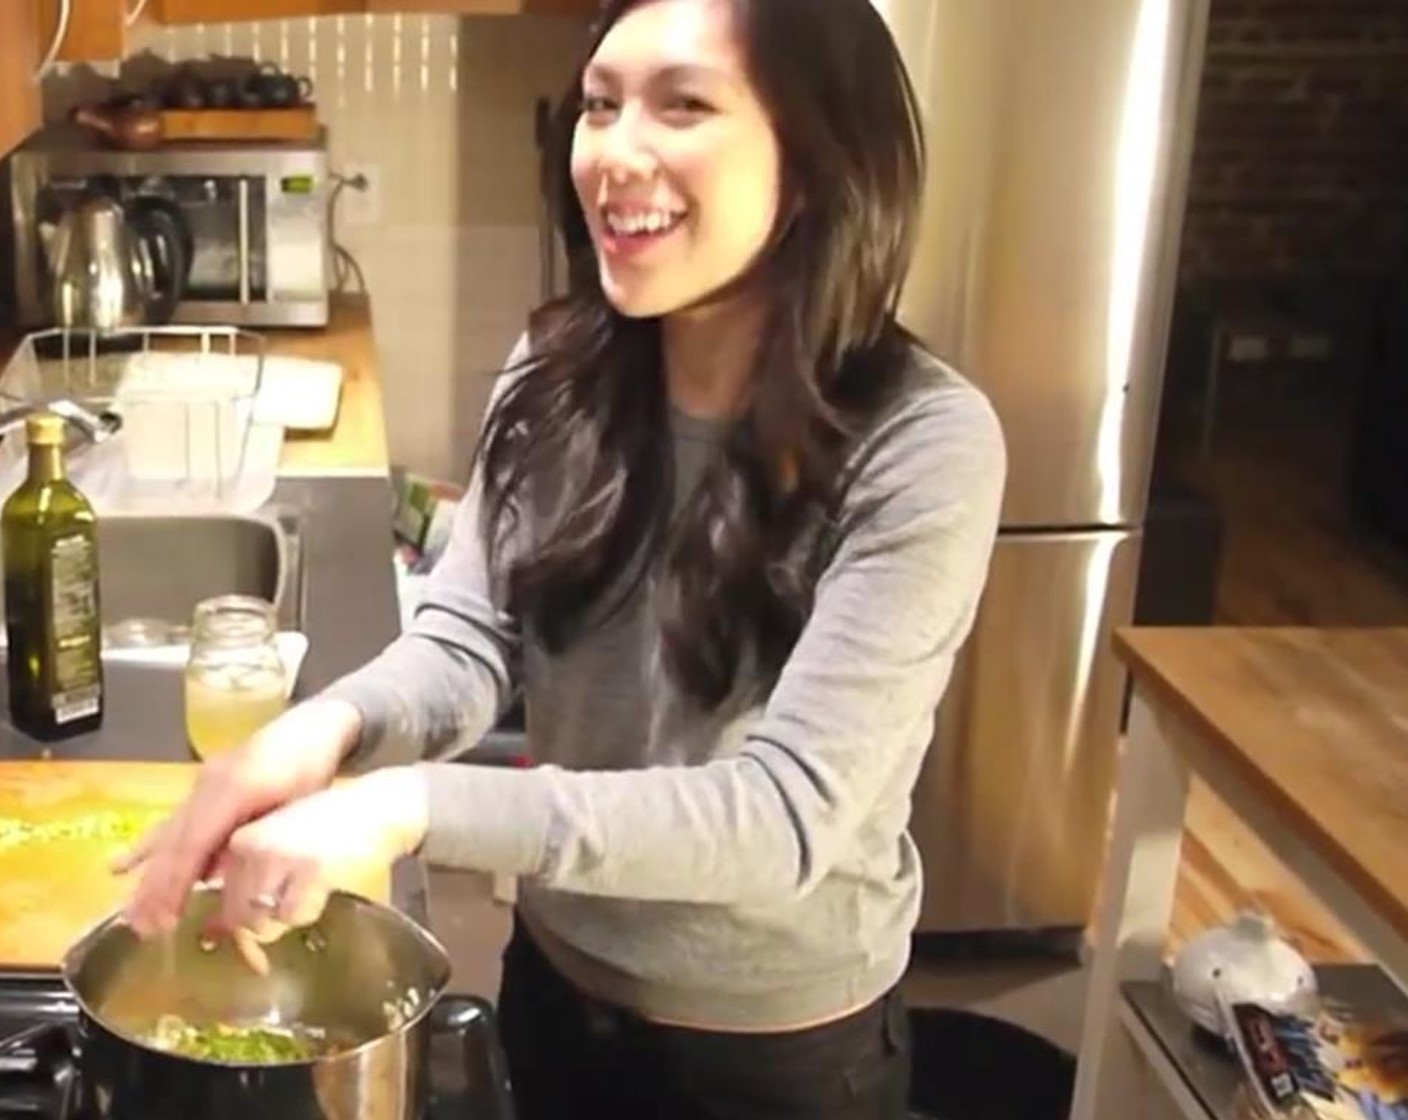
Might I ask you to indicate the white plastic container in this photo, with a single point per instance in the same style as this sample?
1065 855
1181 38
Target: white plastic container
185 416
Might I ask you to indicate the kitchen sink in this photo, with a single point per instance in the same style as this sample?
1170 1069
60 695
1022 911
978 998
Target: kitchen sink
156 569
161 567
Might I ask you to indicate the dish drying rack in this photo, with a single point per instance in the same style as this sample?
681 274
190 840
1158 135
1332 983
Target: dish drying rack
177 402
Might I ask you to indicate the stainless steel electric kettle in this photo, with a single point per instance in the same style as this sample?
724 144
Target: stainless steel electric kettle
114 264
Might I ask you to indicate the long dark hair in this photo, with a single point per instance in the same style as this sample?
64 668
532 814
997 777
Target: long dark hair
579 444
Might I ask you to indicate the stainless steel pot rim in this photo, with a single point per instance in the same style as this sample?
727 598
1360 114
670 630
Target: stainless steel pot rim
425 1002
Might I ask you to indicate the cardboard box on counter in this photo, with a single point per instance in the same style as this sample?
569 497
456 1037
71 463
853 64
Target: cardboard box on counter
423 513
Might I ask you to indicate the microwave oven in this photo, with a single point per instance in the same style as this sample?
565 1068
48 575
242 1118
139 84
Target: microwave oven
253 217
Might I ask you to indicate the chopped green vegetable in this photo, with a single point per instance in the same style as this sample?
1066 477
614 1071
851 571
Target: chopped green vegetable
247 1045
112 825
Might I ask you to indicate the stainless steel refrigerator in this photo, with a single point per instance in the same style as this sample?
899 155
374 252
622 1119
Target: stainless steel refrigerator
1060 133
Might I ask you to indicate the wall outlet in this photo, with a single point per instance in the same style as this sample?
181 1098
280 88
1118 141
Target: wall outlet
360 207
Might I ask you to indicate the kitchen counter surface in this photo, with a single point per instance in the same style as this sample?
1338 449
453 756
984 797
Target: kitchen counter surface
1315 720
357 445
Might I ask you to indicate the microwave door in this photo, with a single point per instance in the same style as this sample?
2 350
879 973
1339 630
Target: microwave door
227 259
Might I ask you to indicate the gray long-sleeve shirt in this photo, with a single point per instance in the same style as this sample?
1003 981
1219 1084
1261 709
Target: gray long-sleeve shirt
750 868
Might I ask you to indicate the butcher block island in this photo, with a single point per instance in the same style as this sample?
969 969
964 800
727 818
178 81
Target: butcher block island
1303 734
61 823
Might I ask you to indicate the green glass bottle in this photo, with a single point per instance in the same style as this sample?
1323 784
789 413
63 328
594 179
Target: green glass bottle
48 536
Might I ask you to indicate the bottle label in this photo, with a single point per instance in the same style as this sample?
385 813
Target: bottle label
77 672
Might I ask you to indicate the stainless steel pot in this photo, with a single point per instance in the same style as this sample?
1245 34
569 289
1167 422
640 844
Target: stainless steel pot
364 972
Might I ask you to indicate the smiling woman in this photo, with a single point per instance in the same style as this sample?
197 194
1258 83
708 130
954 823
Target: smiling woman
772 163
727 530
674 160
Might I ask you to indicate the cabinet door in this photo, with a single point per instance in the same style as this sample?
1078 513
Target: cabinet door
19 92
563 7
489 7
96 30
218 11
222 11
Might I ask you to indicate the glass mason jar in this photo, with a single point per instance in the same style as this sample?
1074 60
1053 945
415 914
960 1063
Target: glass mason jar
235 680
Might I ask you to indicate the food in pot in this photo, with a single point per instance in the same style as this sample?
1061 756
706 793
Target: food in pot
252 1044
401 1010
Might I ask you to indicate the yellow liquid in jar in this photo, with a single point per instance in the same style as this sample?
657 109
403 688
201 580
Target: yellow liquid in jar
225 706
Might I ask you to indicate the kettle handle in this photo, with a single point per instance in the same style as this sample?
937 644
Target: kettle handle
467 1018
161 225
100 120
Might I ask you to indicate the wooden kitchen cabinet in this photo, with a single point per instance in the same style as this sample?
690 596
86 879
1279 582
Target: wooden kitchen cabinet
490 7
224 11
19 92
217 11
97 29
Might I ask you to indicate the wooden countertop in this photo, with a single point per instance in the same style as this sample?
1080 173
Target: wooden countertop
1316 720
357 444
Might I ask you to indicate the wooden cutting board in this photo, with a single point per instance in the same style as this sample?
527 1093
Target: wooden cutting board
60 824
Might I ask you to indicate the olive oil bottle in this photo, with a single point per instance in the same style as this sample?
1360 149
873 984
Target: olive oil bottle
48 538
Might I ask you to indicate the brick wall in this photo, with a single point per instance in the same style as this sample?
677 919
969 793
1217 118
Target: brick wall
1300 164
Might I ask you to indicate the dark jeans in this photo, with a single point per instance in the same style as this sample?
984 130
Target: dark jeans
573 1058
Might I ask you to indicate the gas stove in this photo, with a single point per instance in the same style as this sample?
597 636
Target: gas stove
38 1078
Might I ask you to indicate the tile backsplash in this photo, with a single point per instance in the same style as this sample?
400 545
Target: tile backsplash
438 111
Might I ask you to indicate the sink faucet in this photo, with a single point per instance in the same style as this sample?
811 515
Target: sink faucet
93 427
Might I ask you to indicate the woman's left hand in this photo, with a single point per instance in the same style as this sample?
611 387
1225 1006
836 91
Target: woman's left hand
278 869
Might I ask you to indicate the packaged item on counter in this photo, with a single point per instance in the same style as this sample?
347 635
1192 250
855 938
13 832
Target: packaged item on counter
423 515
1334 1063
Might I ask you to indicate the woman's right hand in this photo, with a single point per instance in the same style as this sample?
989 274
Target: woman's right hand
295 755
